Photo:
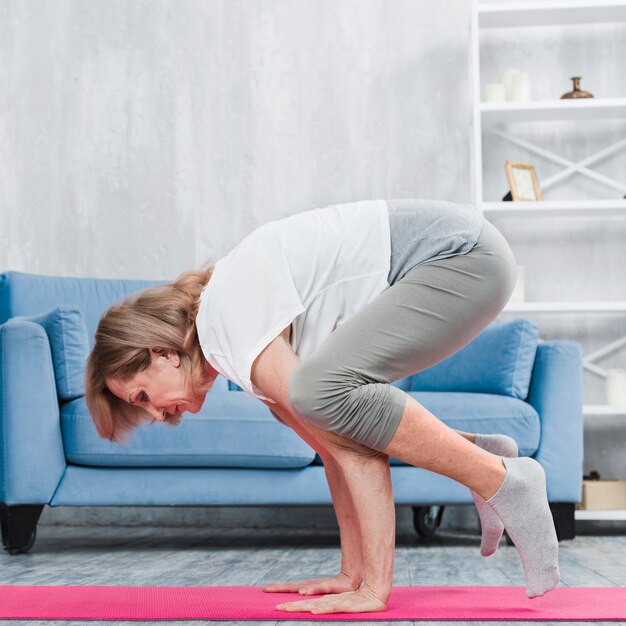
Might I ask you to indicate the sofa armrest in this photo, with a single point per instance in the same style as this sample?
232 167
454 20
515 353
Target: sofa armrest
556 394
32 460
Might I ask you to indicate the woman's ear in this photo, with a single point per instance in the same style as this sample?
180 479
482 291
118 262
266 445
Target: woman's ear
170 355
174 357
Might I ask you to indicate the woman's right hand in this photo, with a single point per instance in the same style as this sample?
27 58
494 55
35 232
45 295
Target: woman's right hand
340 583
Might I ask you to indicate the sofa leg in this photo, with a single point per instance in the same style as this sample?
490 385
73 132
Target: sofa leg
564 522
19 526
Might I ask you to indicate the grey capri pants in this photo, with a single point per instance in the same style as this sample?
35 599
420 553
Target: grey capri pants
433 311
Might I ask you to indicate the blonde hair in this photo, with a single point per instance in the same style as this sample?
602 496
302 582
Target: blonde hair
162 316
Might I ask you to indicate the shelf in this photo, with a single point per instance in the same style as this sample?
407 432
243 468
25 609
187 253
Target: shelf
567 307
550 208
509 121
550 13
613 514
603 409
540 110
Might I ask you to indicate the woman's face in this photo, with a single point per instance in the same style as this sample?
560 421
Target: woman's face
161 390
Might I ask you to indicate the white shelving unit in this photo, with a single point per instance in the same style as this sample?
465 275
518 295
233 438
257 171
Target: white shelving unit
603 409
493 118
551 208
550 13
611 514
493 113
616 306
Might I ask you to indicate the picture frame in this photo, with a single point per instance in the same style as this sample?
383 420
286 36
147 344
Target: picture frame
523 182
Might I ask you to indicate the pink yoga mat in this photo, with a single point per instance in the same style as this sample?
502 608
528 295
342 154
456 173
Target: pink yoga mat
252 603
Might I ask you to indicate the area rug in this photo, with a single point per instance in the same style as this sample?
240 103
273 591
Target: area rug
252 603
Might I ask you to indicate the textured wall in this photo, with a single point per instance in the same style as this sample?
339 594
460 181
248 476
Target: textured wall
139 138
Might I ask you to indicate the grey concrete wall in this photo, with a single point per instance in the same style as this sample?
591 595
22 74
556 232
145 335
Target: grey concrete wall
140 138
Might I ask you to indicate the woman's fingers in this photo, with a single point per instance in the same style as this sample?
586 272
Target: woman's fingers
326 585
331 584
350 602
290 586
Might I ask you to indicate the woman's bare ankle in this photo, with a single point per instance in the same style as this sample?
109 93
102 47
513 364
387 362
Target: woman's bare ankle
354 578
495 482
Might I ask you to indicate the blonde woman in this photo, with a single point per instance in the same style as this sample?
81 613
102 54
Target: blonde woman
315 315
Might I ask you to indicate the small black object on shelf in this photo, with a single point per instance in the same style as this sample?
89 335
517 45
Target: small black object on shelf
508 197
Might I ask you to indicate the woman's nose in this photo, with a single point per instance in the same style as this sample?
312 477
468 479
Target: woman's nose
157 414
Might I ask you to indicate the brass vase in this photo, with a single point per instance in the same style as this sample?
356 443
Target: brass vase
577 93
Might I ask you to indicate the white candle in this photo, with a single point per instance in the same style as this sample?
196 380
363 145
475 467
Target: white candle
521 91
507 78
616 387
495 92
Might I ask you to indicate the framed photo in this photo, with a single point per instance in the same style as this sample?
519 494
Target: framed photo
523 181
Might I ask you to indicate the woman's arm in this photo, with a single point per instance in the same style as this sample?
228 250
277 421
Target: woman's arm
270 373
364 483
351 573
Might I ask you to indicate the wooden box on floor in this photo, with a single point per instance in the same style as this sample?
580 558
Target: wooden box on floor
599 495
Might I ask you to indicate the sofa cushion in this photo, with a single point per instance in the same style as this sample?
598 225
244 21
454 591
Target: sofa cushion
482 413
499 360
231 430
69 346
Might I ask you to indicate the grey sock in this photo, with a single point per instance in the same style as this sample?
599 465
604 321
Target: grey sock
522 505
490 524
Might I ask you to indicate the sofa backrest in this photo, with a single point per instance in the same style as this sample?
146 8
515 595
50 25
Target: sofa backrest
29 294
499 360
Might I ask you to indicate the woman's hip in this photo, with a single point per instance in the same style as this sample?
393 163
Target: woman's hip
431 312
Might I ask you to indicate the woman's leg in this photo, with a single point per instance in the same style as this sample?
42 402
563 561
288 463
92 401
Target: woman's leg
471 437
431 313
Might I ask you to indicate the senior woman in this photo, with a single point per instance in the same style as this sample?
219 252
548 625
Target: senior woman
315 315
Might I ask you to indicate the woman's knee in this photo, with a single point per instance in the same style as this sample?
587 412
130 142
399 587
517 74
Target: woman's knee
324 397
364 412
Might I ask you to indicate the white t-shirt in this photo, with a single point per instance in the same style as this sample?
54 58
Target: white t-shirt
314 270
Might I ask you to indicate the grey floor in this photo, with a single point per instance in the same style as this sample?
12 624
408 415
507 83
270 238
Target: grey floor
70 555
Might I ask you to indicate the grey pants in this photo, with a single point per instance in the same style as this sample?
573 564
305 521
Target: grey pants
433 311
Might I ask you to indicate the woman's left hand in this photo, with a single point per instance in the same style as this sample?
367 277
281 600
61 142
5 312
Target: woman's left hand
360 601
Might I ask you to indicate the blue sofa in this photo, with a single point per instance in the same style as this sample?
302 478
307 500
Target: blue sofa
234 452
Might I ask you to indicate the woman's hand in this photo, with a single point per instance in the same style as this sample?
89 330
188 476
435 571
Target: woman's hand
340 583
360 601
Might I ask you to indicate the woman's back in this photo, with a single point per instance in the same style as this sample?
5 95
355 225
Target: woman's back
313 270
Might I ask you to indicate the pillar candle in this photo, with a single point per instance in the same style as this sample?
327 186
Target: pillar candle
616 387
507 78
521 91
495 92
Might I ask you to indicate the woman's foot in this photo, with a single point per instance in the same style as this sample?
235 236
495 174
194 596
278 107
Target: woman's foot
522 505
491 525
